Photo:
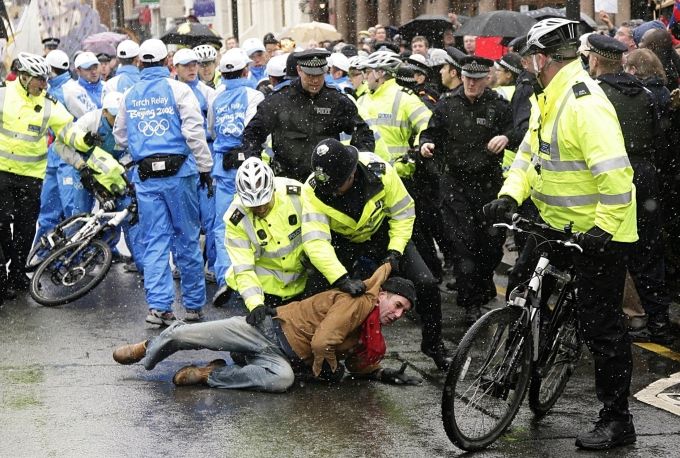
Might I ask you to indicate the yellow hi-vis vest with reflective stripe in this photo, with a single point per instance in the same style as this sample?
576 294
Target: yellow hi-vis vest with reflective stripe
573 159
266 253
399 116
319 220
24 121
109 172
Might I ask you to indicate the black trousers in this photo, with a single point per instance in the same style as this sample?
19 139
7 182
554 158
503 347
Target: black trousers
599 280
478 246
646 260
361 259
19 203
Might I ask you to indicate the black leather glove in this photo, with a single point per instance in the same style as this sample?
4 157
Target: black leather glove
258 314
594 241
133 216
87 178
393 257
498 210
397 377
93 139
205 180
350 286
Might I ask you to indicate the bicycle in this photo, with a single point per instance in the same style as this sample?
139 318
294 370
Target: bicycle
75 257
511 349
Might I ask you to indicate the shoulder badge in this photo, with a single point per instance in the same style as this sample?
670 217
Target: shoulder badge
407 90
377 168
580 89
51 98
312 183
236 217
293 189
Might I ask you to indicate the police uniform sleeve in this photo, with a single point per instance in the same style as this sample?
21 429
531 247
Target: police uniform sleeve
262 123
362 135
316 237
61 123
400 209
522 174
192 124
417 113
435 130
505 126
242 255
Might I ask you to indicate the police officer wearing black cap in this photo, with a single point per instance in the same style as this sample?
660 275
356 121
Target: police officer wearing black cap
638 115
50 44
467 134
300 115
424 88
451 70
356 212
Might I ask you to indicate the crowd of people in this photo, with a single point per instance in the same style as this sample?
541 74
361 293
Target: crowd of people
310 170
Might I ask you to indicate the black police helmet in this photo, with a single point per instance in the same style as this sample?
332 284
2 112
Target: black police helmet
333 163
291 66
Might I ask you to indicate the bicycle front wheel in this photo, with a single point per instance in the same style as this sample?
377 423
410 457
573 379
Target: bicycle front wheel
486 383
71 272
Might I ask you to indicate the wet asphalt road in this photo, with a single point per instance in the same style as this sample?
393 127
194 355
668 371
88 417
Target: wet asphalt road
61 394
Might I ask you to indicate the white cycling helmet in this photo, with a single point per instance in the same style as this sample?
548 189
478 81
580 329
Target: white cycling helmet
255 182
358 62
384 60
205 53
34 65
552 35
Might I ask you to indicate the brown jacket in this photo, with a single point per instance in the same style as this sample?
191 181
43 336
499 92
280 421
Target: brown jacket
327 325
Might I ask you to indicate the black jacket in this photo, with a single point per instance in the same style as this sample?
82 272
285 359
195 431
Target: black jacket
521 106
298 121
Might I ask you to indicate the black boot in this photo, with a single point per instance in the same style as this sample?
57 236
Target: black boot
658 330
608 434
440 355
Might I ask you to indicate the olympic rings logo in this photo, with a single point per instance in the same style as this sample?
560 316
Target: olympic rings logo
153 127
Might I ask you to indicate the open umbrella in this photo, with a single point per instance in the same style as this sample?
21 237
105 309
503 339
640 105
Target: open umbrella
191 34
308 31
499 23
431 26
104 42
588 24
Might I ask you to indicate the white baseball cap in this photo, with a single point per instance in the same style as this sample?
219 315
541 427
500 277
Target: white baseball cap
233 60
184 56
277 65
153 50
127 49
86 60
111 102
57 59
338 60
252 45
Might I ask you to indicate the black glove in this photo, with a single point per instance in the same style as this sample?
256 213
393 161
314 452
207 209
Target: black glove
92 139
328 375
397 377
206 181
258 314
133 216
350 286
497 210
393 257
87 178
594 241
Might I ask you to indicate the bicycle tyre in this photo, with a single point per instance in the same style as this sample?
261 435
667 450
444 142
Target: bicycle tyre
455 399
53 269
32 260
556 362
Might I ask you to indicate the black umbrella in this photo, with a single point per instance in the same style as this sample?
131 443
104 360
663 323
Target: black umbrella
499 23
588 24
431 26
191 34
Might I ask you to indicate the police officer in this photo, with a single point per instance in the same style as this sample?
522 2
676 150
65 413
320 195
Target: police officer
160 122
507 69
264 240
127 73
207 65
355 212
424 88
450 71
638 115
573 163
232 109
300 115
26 113
50 44
467 134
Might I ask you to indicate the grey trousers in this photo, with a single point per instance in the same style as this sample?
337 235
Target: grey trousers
268 368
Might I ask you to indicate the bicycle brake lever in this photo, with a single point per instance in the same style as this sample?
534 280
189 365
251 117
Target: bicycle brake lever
573 245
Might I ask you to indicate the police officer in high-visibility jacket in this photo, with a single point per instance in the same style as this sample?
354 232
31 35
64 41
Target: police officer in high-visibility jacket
573 163
26 113
160 122
356 212
264 240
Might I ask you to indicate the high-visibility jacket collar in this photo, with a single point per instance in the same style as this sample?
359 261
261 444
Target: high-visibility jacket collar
384 87
564 79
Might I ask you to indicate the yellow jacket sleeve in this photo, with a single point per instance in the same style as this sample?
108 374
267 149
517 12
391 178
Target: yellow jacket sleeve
521 175
400 209
61 123
242 255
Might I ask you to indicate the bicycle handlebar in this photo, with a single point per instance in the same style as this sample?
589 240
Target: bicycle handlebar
572 237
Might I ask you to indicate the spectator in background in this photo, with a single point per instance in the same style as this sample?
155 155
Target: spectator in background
271 45
287 45
107 66
420 45
448 38
231 42
659 41
256 52
380 33
470 44
604 18
625 35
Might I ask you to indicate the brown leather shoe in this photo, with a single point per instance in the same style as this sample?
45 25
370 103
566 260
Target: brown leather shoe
194 375
130 354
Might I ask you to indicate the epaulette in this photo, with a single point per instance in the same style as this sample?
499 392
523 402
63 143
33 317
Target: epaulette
377 168
312 183
51 98
293 189
236 217
407 90
580 89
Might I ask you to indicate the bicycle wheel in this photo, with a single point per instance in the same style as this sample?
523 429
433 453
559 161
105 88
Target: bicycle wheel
70 272
486 383
60 234
557 358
